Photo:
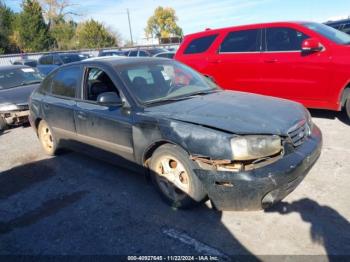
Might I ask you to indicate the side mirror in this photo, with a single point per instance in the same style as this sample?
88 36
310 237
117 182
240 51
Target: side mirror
109 99
311 45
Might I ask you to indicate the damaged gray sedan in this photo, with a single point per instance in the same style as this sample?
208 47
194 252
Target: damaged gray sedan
240 150
16 85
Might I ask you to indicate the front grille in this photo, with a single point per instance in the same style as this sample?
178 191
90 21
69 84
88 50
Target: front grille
298 133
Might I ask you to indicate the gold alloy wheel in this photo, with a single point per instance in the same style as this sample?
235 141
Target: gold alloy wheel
172 178
46 137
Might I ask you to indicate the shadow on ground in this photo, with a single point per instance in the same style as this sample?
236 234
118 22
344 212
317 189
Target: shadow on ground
328 227
328 114
96 208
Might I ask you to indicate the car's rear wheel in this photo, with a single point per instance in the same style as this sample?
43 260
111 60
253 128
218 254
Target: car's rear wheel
347 107
173 175
3 124
46 138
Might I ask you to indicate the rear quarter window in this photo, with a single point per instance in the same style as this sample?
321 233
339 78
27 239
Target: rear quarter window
45 86
66 81
200 45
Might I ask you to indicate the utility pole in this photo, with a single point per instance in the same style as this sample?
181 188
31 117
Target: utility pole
132 42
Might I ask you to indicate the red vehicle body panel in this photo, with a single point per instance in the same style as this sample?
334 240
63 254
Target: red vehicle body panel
316 80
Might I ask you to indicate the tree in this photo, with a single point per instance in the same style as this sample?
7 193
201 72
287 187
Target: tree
63 33
55 11
6 28
32 30
92 34
162 24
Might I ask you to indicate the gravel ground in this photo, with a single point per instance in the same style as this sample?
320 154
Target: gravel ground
73 204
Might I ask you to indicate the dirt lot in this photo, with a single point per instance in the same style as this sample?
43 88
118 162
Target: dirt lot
73 204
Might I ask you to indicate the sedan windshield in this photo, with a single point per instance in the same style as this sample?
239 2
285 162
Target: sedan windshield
159 81
19 77
330 33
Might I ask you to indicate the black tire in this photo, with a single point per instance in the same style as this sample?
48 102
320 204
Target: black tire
3 124
195 192
47 138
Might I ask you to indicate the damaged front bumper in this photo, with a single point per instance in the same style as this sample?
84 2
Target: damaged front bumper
15 117
264 186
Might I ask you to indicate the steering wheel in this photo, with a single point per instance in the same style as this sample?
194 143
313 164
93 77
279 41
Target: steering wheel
172 88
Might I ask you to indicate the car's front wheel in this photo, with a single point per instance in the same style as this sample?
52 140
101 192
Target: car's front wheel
46 138
173 175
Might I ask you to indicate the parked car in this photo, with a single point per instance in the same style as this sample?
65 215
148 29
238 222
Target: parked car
16 84
342 25
244 151
84 56
145 52
112 53
49 62
26 62
169 55
302 61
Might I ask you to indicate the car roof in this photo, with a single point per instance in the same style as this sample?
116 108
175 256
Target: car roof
120 61
101 58
24 60
9 67
61 54
247 26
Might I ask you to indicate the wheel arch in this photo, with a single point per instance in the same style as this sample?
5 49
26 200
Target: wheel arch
36 123
153 147
344 94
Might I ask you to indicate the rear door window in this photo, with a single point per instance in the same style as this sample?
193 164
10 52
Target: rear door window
284 39
133 53
242 41
143 53
46 60
66 81
200 45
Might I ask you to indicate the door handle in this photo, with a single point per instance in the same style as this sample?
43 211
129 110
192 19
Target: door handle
82 115
271 61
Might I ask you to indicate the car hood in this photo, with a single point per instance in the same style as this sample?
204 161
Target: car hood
17 95
235 112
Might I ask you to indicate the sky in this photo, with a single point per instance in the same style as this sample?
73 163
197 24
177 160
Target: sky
197 15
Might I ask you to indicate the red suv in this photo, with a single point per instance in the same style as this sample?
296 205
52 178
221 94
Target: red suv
302 61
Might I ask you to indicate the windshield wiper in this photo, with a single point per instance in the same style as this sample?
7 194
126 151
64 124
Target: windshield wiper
203 92
24 83
179 98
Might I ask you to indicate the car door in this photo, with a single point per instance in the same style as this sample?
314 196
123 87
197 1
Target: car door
57 61
59 105
236 63
105 127
290 73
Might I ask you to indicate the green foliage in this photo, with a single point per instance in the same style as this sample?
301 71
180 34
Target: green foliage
63 32
27 30
32 30
162 24
6 28
92 34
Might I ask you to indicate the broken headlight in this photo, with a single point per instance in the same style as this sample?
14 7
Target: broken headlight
6 107
252 147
